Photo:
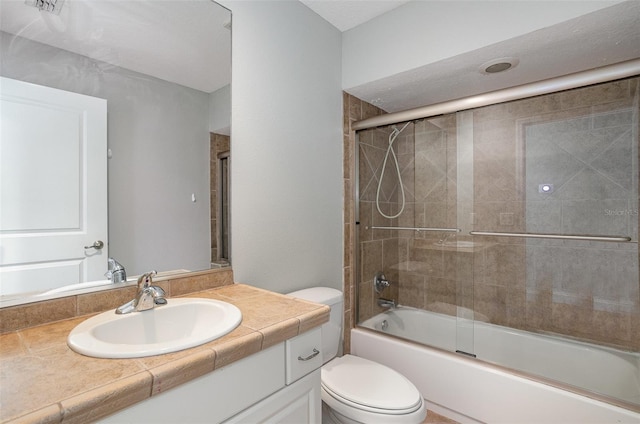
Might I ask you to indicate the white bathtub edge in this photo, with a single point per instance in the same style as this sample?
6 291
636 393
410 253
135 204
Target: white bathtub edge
483 393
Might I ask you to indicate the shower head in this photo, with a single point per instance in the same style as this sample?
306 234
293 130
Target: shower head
51 6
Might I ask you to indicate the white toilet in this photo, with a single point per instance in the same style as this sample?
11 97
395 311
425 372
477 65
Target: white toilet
354 389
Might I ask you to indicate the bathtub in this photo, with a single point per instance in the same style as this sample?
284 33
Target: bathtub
469 390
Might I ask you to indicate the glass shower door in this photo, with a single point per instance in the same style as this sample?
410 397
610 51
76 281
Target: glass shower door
409 232
556 204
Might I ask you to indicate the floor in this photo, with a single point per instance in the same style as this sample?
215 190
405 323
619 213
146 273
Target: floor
433 418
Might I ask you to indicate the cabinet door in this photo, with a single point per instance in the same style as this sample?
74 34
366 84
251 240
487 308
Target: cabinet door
297 403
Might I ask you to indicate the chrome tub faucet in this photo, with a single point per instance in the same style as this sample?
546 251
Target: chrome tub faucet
387 303
147 298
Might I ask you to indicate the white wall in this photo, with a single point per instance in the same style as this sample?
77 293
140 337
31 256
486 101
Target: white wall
220 111
424 32
286 144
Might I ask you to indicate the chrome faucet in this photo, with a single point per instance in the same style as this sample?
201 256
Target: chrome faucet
116 272
147 298
387 303
380 282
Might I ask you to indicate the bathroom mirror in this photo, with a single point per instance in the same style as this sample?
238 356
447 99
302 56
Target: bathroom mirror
164 69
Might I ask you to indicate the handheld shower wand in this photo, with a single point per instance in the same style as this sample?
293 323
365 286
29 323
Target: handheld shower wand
392 138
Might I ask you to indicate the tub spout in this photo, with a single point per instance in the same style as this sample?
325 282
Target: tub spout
387 303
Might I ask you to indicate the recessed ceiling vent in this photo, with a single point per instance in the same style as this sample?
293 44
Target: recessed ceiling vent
51 6
498 65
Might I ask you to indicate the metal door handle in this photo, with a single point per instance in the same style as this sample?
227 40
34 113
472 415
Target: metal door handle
98 244
313 355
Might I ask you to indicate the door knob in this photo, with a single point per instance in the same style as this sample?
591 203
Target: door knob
98 244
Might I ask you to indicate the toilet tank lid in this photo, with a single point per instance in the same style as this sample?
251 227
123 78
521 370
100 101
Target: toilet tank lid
323 295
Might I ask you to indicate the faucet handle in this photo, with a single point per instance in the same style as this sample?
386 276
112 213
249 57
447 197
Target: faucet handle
380 282
145 280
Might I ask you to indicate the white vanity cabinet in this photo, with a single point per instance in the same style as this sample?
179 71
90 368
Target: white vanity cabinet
299 402
280 384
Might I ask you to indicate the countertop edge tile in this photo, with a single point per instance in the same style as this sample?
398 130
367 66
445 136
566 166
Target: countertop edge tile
280 332
314 318
105 400
182 370
237 348
47 415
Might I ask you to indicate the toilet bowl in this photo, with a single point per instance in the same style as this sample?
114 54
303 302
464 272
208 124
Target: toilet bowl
356 390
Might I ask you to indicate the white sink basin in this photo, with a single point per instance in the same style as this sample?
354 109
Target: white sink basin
180 324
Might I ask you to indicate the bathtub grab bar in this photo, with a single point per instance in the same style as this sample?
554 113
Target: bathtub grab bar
552 236
441 230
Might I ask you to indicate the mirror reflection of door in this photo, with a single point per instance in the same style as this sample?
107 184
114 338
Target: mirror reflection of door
53 187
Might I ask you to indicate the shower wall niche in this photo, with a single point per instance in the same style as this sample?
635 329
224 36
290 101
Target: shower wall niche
558 164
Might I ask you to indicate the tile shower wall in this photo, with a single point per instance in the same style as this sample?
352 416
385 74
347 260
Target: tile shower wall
586 290
354 110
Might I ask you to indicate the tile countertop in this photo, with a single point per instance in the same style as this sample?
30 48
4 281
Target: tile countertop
43 381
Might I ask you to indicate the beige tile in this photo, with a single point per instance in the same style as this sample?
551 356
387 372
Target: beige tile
355 108
433 418
411 290
347 240
279 332
80 373
29 315
47 415
348 325
11 345
314 318
198 283
49 335
347 156
237 348
365 302
182 370
262 311
104 300
613 328
103 401
348 287
151 362
239 291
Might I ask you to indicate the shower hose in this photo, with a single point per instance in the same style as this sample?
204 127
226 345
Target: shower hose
392 138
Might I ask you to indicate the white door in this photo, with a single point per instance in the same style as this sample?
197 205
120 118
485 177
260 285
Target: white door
53 187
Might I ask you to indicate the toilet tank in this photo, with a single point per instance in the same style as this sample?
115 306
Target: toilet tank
332 330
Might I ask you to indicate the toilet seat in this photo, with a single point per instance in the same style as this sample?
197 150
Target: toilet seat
368 386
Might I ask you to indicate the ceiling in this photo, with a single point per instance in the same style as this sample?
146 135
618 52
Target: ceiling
609 35
346 14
